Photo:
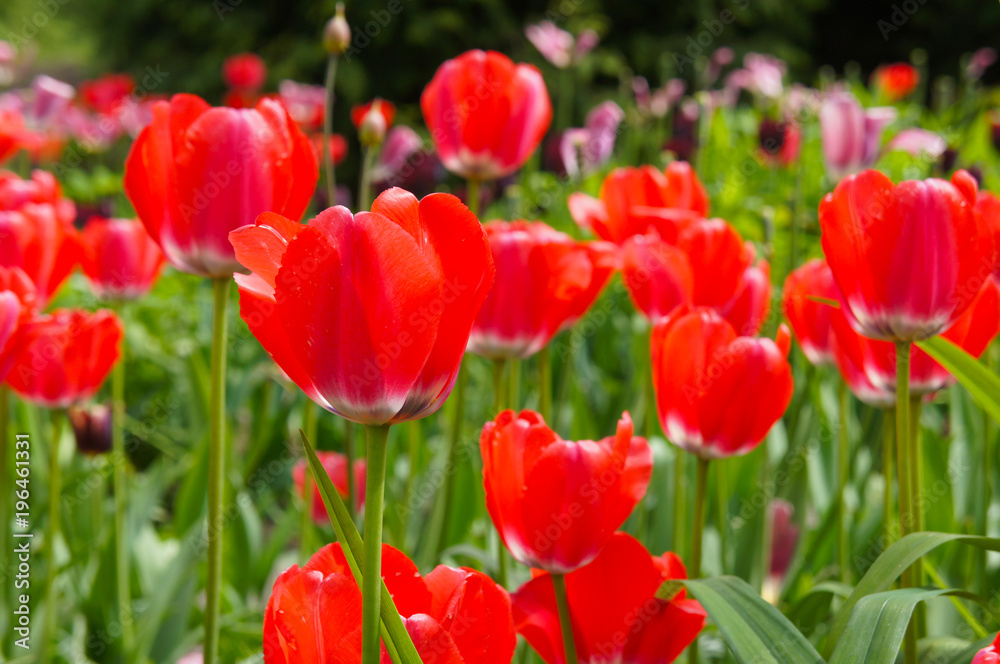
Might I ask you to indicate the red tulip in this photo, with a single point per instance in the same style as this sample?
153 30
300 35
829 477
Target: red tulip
453 616
556 502
718 394
545 280
12 133
809 318
119 258
989 654
244 71
335 465
106 94
709 266
42 189
896 81
988 210
634 200
197 173
62 359
17 301
486 115
338 147
780 142
384 108
908 258
850 354
370 314
616 615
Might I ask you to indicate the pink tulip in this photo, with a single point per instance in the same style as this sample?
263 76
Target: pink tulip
584 150
850 133
558 46
919 143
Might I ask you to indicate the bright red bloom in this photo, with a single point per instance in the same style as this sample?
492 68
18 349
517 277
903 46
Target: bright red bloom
908 258
809 318
710 265
36 232
616 615
896 81
853 360
385 108
62 358
370 314
486 115
989 654
196 173
105 94
338 147
545 280
17 301
244 71
717 393
988 210
453 616
335 465
633 201
12 133
556 502
119 258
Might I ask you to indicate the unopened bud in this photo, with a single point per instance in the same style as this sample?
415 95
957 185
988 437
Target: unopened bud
373 127
337 34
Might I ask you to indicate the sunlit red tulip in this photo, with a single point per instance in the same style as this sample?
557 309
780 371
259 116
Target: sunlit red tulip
896 81
197 173
989 654
17 302
810 318
244 71
717 393
908 258
119 258
41 188
544 280
556 502
335 465
780 141
486 115
62 358
453 616
370 314
616 615
851 134
851 356
634 200
709 266
988 211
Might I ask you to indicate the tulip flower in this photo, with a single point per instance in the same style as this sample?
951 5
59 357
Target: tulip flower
486 115
896 81
709 266
919 143
809 317
244 71
990 654
119 258
585 149
91 428
306 104
635 200
717 394
453 616
335 465
62 358
555 502
988 211
851 134
12 133
106 94
908 258
784 539
558 46
545 280
337 147
197 173
853 362
780 142
372 120
17 301
657 103
762 75
616 616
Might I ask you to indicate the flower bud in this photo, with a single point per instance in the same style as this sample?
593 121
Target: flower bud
337 34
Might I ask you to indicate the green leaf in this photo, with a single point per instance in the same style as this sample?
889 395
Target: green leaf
394 635
982 384
888 567
755 631
878 624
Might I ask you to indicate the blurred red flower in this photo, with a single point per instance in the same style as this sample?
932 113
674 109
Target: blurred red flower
810 318
244 71
896 81
335 465
17 302
119 258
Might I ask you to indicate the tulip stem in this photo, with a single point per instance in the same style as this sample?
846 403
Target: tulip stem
331 177
365 186
888 451
349 453
499 365
916 477
305 536
472 194
843 470
372 576
680 500
906 520
458 415
700 485
565 619
545 384
216 471
119 459
51 535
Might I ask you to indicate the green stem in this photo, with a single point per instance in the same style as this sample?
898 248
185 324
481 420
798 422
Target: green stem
888 451
472 194
372 575
498 391
565 98
545 384
365 186
120 463
906 517
723 500
52 602
843 470
701 482
916 477
565 619
987 491
216 471
331 178
413 456
349 453
458 415
306 525
514 384
680 500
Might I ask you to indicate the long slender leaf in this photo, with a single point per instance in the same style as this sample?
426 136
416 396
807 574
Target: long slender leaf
982 384
755 631
394 635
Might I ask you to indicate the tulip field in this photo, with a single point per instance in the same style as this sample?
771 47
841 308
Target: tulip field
701 369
